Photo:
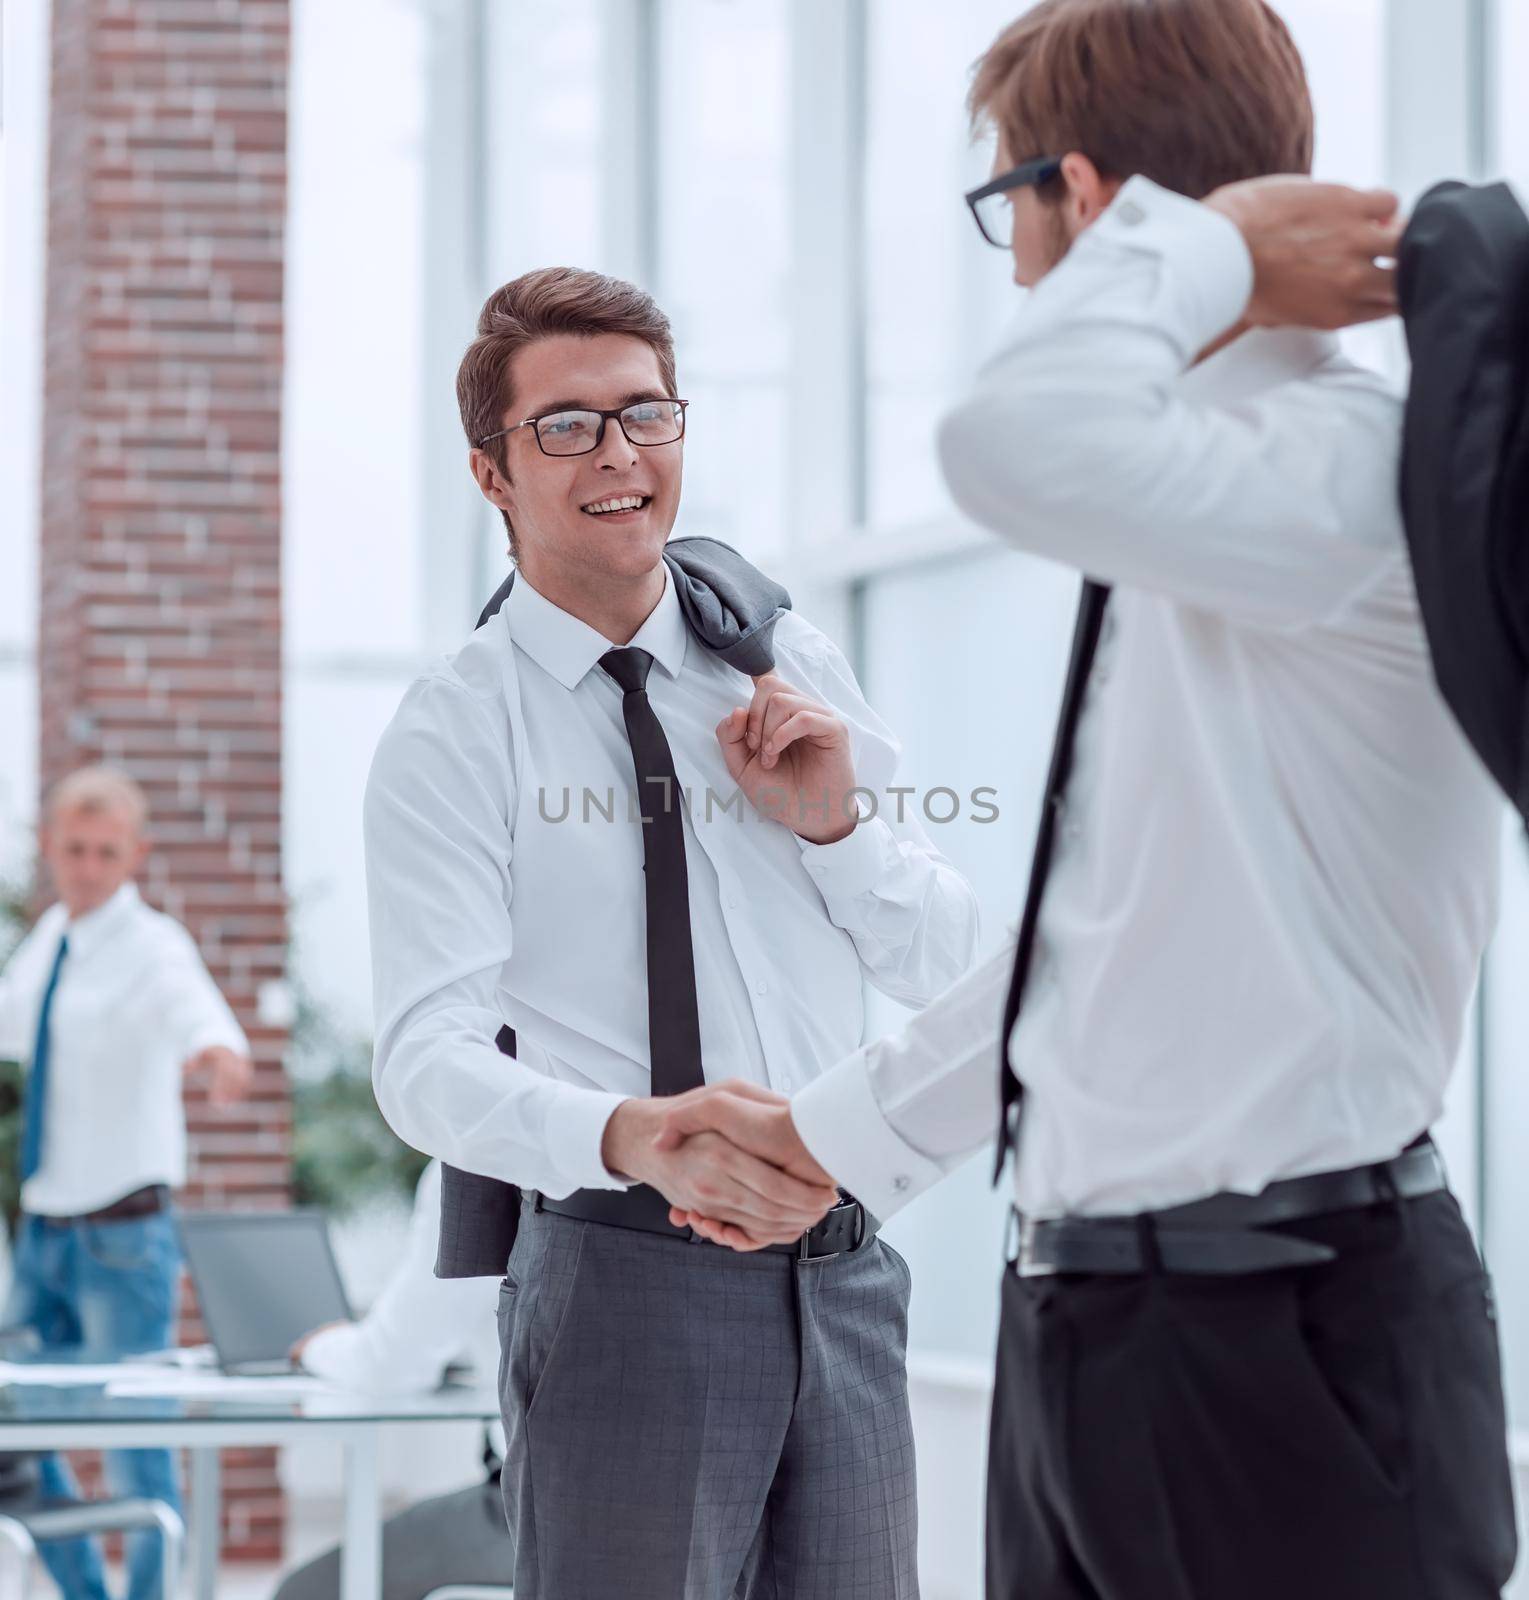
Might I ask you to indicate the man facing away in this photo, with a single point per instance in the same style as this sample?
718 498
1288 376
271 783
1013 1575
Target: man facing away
108 1006
1247 1345
681 1420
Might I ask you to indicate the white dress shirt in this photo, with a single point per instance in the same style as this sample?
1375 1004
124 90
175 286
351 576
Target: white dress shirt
1277 861
492 900
418 1324
134 1003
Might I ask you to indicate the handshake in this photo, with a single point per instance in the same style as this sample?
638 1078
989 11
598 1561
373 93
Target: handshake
727 1158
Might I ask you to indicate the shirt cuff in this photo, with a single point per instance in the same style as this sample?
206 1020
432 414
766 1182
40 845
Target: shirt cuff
330 1354
575 1132
853 865
848 1136
1212 277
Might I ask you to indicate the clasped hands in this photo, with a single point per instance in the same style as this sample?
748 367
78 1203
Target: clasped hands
727 1158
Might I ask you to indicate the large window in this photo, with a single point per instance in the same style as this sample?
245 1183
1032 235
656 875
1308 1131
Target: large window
546 149
933 290
352 455
1342 43
787 180
721 104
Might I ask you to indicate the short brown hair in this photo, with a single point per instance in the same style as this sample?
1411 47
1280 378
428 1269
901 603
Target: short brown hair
537 305
1190 93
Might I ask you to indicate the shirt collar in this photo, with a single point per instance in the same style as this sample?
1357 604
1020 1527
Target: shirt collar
567 647
88 930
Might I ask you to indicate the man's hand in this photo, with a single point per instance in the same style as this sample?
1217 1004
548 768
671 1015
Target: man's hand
1316 250
751 1119
791 757
295 1354
229 1074
670 1144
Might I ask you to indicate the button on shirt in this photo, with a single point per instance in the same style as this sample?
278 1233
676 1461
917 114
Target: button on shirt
1280 865
134 1003
505 879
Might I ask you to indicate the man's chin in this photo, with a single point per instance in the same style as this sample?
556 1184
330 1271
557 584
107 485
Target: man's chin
633 549
83 905
629 552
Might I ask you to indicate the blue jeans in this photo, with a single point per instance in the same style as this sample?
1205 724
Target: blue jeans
109 1287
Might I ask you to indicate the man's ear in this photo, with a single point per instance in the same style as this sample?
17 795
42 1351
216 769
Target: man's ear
1088 192
140 855
493 484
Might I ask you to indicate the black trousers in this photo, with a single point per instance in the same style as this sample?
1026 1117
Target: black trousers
1333 1432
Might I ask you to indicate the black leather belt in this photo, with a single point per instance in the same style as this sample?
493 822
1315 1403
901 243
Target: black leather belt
142 1202
847 1228
1221 1234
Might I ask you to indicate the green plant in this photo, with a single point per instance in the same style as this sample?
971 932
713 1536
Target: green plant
344 1155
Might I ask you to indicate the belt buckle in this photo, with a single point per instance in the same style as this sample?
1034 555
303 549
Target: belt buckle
1025 1264
804 1244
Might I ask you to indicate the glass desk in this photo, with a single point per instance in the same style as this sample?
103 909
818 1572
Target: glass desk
71 1417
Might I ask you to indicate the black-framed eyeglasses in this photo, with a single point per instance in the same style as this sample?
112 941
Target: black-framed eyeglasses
991 203
576 433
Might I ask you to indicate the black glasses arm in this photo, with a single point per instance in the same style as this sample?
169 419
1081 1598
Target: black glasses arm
1041 170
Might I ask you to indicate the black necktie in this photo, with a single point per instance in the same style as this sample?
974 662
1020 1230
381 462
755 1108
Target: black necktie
1085 641
674 1024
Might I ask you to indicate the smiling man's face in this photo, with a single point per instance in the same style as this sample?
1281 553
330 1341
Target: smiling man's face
552 500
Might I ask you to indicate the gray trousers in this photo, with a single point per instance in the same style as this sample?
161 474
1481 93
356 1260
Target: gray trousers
688 1423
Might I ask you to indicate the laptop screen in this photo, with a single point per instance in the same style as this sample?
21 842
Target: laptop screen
263 1279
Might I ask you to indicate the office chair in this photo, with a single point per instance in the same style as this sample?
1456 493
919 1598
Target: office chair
27 1521
23 1528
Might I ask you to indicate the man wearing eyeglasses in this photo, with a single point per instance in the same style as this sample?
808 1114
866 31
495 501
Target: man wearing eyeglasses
657 872
1248 1349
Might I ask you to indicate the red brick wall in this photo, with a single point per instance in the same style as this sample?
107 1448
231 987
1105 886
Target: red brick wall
160 628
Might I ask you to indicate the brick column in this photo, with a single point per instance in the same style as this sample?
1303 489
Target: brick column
159 639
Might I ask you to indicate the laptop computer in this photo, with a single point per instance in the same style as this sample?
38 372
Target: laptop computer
263 1279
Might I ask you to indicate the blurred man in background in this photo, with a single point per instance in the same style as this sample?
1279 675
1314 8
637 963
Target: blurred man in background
109 1007
418 1326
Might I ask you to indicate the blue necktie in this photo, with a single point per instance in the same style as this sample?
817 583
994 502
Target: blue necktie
37 1079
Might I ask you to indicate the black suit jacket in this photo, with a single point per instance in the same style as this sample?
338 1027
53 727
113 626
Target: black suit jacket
732 609
1463 282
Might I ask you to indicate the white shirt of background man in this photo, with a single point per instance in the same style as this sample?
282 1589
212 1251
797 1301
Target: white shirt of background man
134 1003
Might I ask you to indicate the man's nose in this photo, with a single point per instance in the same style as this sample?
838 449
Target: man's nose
615 450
